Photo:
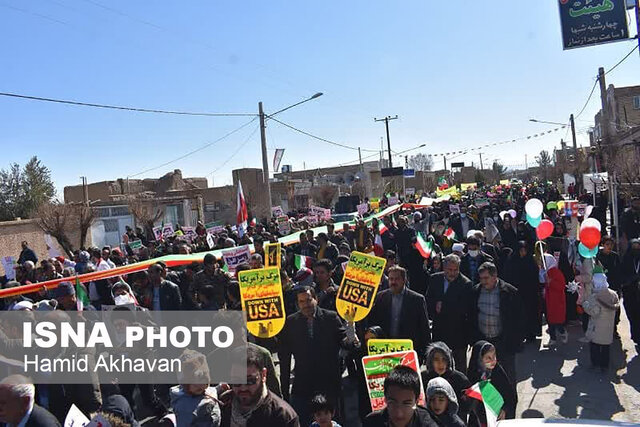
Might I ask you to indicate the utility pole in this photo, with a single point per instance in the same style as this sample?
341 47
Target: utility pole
85 190
526 165
445 162
386 123
573 134
481 167
265 162
360 158
638 20
605 110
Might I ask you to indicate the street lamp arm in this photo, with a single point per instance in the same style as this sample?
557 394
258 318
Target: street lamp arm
316 95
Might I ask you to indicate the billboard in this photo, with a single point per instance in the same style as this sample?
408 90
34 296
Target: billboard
587 23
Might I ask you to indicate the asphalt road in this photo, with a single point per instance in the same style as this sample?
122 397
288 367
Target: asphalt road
558 382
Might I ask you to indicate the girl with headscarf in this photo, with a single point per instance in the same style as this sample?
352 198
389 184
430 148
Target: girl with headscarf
554 297
508 234
521 271
484 366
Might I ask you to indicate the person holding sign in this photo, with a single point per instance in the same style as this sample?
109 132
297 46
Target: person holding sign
401 312
401 392
314 337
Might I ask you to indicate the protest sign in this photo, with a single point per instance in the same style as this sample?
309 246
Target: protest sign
272 254
236 256
467 186
136 245
481 203
312 220
190 233
582 207
377 368
214 227
262 301
451 191
210 241
9 263
322 213
410 191
374 202
167 231
504 182
382 346
393 200
454 209
362 208
284 227
359 286
277 211
75 418
157 233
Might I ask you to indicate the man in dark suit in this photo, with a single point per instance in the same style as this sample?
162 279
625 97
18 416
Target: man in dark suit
166 295
473 259
401 312
17 404
448 299
462 223
496 316
314 337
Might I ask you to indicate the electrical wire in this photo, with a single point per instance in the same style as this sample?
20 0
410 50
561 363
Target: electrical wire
196 150
118 107
621 61
319 138
240 147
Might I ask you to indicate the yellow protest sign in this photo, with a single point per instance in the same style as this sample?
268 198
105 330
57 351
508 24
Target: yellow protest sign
359 286
272 254
504 182
451 191
262 301
465 187
382 346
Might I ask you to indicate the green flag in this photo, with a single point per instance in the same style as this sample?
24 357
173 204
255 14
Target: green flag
82 299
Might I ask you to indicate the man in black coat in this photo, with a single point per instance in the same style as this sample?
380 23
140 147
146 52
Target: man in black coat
630 284
314 337
17 404
401 312
462 223
448 298
166 295
27 254
473 259
495 314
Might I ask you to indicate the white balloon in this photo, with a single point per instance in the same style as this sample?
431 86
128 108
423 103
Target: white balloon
591 222
502 214
512 213
534 208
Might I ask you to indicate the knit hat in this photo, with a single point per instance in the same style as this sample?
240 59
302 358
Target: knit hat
599 279
64 289
304 277
440 385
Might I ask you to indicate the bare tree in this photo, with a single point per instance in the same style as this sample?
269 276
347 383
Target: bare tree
420 162
544 163
85 216
625 164
55 218
324 195
146 213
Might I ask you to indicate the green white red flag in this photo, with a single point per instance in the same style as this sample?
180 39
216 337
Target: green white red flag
303 261
425 247
382 228
82 299
485 392
450 234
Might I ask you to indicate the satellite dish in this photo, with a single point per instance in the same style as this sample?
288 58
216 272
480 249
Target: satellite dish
349 178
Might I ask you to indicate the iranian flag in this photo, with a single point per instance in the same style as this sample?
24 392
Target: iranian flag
242 216
253 222
423 246
82 299
485 392
450 234
303 261
378 249
382 228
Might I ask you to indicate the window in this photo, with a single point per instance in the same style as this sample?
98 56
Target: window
120 211
636 102
102 212
110 225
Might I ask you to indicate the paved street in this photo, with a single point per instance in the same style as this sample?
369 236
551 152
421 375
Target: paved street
558 382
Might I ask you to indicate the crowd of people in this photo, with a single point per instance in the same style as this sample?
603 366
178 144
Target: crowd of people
481 295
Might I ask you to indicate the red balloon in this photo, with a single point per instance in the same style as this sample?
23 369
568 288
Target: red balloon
590 237
544 229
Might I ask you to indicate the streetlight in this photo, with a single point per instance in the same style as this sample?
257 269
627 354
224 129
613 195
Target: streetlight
550 123
263 140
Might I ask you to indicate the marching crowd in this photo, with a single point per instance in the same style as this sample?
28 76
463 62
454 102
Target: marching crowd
481 293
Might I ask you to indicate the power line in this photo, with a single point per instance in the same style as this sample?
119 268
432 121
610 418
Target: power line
319 138
196 150
235 152
621 61
588 99
118 107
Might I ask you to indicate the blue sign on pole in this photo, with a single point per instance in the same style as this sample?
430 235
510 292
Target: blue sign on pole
588 23
409 173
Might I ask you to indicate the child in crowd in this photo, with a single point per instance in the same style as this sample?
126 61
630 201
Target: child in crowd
601 306
484 366
443 404
323 412
194 402
439 363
